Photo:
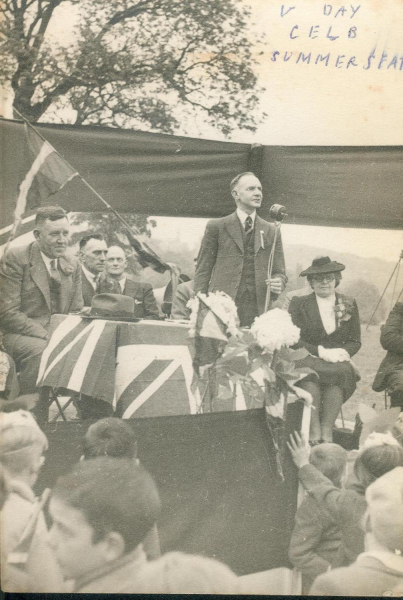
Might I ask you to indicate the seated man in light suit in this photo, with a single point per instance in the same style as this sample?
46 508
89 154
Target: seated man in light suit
37 281
145 305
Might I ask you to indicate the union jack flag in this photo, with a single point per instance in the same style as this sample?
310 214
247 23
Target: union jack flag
144 369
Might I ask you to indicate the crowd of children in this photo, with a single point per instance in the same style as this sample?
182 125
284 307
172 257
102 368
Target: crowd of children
96 531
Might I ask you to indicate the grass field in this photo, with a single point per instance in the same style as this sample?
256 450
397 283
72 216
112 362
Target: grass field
367 361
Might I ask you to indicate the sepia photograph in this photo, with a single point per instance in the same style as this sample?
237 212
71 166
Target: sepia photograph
201 297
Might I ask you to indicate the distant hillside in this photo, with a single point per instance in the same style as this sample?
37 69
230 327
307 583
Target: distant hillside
298 257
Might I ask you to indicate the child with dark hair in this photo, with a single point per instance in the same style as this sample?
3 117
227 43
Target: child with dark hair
101 513
316 537
346 506
115 438
110 437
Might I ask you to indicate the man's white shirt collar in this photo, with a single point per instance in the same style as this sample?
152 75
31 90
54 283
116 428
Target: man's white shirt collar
122 283
47 262
242 216
90 276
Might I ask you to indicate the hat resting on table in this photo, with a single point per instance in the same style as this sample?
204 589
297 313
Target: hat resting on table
112 306
323 265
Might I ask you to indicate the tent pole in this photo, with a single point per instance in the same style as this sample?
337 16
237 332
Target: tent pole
386 287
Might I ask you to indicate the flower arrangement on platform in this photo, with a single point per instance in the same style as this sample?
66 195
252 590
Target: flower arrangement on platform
259 361
221 305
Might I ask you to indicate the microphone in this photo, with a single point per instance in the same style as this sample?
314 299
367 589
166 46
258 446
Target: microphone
277 212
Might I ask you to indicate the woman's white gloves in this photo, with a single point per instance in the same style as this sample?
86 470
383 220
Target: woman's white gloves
333 355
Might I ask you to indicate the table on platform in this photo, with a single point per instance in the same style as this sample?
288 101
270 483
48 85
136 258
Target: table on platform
142 368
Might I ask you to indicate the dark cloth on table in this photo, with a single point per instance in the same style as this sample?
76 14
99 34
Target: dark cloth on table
28 298
231 262
305 314
390 372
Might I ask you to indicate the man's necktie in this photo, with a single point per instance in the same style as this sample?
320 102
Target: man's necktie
248 224
54 272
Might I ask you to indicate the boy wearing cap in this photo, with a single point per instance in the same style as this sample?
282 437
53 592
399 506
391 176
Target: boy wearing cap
24 536
101 513
379 570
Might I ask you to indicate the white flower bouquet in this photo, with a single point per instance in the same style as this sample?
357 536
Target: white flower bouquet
274 330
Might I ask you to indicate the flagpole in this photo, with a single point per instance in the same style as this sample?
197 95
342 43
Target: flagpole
132 229
89 186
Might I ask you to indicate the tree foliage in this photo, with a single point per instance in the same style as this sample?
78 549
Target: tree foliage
134 63
113 231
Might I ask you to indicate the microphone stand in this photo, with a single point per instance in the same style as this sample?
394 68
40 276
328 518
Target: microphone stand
277 226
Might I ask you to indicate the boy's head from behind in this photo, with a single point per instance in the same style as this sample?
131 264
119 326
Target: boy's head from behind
110 437
179 573
22 446
330 459
375 461
101 510
384 516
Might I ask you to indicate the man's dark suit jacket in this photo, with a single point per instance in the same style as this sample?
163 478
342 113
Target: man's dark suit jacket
392 341
25 295
221 257
305 314
145 305
88 290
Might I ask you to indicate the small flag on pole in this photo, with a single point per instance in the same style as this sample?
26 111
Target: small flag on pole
48 174
210 336
145 255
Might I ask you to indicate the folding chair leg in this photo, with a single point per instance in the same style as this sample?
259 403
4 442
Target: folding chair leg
61 408
342 416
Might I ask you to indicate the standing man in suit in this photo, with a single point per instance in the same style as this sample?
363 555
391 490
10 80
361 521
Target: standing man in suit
145 305
37 281
235 251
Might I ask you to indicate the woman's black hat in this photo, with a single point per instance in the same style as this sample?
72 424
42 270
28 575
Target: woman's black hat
323 265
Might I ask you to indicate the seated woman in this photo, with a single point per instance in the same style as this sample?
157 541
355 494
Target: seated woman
330 331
